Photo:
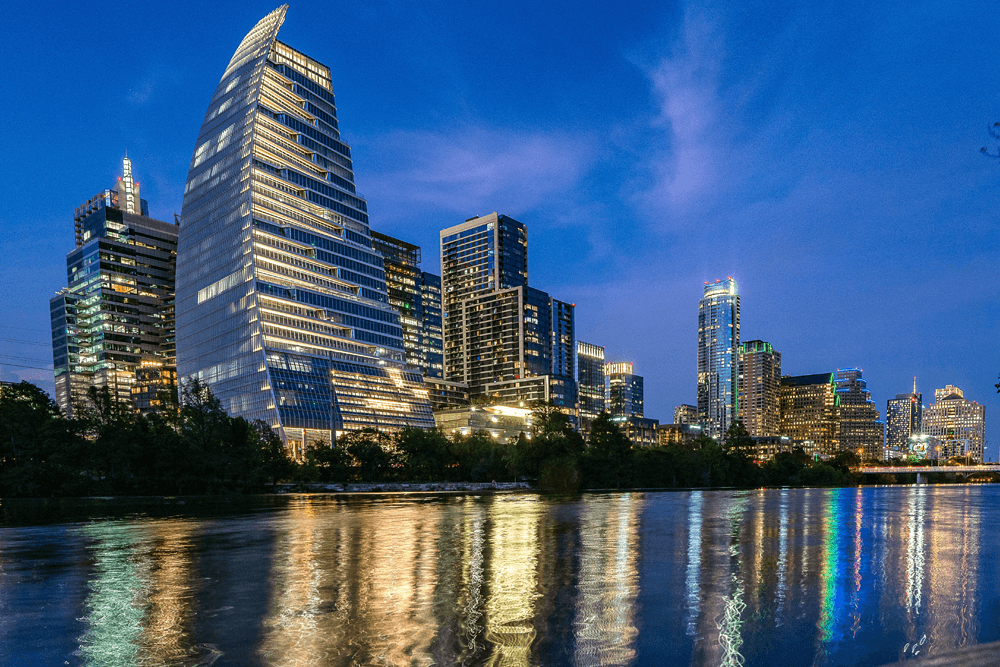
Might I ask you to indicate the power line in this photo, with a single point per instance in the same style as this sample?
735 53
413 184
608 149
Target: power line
26 342
10 356
13 365
7 326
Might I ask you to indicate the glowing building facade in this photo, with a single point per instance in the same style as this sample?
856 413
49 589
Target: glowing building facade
501 335
718 345
282 304
113 326
861 430
759 379
625 390
903 419
810 412
958 423
589 382
416 295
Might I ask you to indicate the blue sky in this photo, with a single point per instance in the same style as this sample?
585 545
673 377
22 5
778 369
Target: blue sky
823 154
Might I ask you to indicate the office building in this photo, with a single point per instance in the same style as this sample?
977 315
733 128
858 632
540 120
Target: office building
718 345
416 295
503 422
810 412
678 434
625 390
686 414
861 430
589 382
640 431
282 304
758 380
113 326
958 423
500 334
444 394
903 418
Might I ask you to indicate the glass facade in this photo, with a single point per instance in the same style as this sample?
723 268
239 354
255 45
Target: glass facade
625 390
861 430
718 342
903 419
810 412
113 326
590 382
416 295
282 304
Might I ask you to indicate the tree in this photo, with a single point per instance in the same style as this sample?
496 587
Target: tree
738 439
371 451
609 455
35 439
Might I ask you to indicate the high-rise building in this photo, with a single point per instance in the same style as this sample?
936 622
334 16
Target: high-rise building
113 326
625 390
501 335
590 382
718 344
686 414
282 304
416 295
759 381
903 418
810 412
958 423
861 430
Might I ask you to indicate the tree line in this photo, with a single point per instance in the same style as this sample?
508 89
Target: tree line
195 447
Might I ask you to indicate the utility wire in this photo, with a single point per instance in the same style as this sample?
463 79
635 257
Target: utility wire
26 342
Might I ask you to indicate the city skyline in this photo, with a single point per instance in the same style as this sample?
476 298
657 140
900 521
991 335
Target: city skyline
902 313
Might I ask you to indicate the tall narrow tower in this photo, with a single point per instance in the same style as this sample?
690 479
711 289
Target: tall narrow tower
718 343
282 306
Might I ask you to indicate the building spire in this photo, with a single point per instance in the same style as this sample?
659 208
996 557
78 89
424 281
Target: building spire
914 385
129 186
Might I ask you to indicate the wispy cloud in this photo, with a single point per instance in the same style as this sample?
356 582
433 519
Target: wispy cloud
471 172
685 86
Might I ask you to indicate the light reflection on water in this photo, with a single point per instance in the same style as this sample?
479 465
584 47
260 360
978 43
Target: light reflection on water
792 577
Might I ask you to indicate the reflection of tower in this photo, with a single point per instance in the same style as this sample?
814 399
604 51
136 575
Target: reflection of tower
604 624
512 580
692 588
167 632
358 578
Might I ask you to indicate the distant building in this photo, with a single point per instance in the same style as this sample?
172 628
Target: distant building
903 418
678 434
686 414
861 430
445 394
810 412
502 422
759 381
959 424
589 382
766 447
416 295
641 431
113 326
718 344
625 390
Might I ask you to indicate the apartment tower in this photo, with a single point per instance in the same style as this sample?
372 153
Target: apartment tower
718 345
759 382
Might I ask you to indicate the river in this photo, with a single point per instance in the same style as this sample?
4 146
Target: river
766 577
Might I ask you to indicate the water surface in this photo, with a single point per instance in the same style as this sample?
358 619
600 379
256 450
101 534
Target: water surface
777 577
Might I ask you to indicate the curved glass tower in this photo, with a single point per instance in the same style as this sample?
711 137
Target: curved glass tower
282 307
718 345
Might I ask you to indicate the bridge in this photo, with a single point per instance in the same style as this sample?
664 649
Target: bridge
922 471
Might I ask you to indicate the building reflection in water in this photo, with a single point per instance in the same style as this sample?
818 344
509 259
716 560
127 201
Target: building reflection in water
817 576
604 623
512 579
138 607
